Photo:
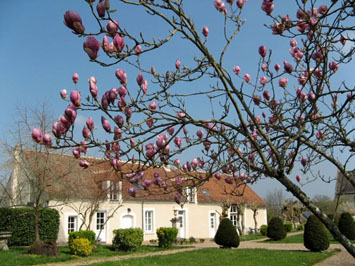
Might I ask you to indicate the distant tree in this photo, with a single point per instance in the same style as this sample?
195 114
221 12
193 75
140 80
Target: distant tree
325 203
274 202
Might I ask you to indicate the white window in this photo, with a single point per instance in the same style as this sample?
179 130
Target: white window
72 223
213 220
233 215
114 188
100 221
190 194
148 221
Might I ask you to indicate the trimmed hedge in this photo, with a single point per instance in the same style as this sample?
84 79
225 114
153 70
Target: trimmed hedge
81 247
288 227
347 225
87 234
263 229
315 235
20 221
276 230
226 235
127 239
166 236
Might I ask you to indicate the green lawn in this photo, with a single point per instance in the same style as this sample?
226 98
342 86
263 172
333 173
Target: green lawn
16 256
251 237
299 239
240 257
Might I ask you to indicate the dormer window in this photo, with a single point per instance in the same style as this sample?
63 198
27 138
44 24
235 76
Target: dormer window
113 189
190 194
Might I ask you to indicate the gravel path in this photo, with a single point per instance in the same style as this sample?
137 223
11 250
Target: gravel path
343 258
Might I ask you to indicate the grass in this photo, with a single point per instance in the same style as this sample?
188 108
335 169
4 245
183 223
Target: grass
240 257
299 239
16 256
251 237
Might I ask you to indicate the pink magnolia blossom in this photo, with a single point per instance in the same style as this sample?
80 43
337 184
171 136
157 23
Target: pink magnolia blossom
298 178
105 124
76 152
75 78
75 98
277 67
181 115
112 27
101 9
170 130
118 42
288 67
240 3
311 97
323 9
144 86
90 124
342 40
128 113
304 161
105 44
86 133
228 180
122 91
247 77
47 140
36 135
84 164
264 67
177 163
73 21
132 191
150 122
262 51
218 176
199 134
93 87
177 198
91 47
205 31
63 94
140 79
132 142
178 142
121 76
256 99
153 106
293 42
267 6
263 80
220 6
236 70
138 49
266 95
177 64
333 66
185 131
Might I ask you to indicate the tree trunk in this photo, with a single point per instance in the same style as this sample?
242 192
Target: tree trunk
36 220
255 221
299 194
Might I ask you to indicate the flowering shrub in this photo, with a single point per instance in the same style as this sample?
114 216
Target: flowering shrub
166 236
81 247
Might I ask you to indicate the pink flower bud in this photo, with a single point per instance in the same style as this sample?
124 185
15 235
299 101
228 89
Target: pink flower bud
84 164
277 67
194 163
150 122
63 94
293 42
333 66
105 44
267 6
121 76
177 198
73 21
132 191
228 180
112 27
185 131
75 98
298 178
247 77
170 130
105 124
263 81
75 78
119 43
177 64
263 67
311 96
76 152
283 82
304 161
178 142
240 3
205 31
236 70
90 124
266 95
140 79
342 40
91 47
153 106
218 176
144 86
256 99
92 87
322 9
181 115
138 49
101 9
288 67
122 91
86 133
199 134
37 135
262 51
177 163
47 140
128 113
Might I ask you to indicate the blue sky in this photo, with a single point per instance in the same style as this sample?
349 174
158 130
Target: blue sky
39 55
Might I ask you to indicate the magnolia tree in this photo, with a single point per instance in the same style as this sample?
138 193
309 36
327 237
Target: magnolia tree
291 118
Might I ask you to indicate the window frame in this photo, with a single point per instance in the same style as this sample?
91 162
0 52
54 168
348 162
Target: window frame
75 222
152 221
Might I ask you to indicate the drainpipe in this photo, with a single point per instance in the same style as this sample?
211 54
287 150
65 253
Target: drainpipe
143 217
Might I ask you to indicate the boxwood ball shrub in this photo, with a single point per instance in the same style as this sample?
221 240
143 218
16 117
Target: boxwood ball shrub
226 235
263 229
87 234
166 236
276 230
347 225
127 239
315 235
288 227
81 247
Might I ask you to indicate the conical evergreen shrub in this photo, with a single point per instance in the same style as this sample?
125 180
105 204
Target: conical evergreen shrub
347 225
315 235
226 235
276 229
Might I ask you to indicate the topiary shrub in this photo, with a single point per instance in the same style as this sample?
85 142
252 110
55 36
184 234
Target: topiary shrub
127 239
88 234
81 247
276 230
166 236
226 235
288 227
263 229
315 235
347 225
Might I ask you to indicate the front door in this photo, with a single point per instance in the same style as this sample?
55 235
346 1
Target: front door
182 225
101 226
212 224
